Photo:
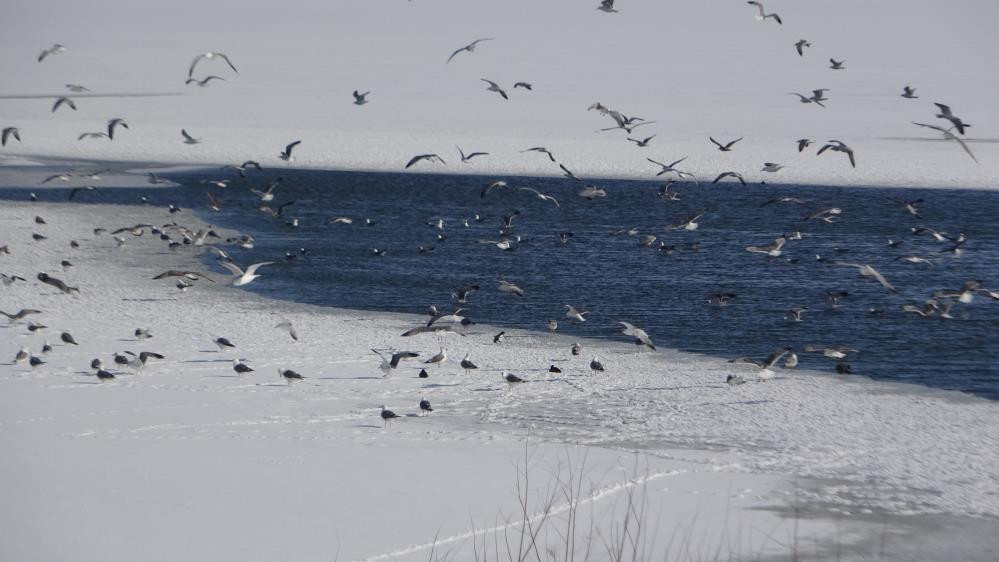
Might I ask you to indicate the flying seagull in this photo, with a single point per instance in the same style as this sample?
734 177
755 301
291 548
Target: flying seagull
948 135
764 365
392 361
188 139
909 92
20 314
10 132
494 87
63 100
428 157
803 144
76 88
359 98
470 47
209 56
735 175
771 167
287 326
763 15
945 113
838 146
542 150
868 271
53 50
387 416
286 154
642 143
666 168
540 195
113 124
725 147
800 46
467 157
817 97
836 64
639 334
243 277
607 6
525 85
204 81
772 250
508 287
568 173
92 135
573 313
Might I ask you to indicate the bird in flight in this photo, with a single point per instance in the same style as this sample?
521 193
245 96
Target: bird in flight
909 92
735 175
286 154
642 143
838 146
209 56
10 132
763 15
56 49
836 64
817 97
670 168
540 195
428 157
467 157
868 271
359 98
542 150
803 144
470 47
945 113
607 6
243 277
801 45
948 135
114 124
494 87
725 147
188 139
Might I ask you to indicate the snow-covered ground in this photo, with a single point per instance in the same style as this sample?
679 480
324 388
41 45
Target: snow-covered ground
188 460
698 68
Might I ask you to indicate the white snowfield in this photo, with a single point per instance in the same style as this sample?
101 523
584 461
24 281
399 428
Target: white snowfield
186 460
696 68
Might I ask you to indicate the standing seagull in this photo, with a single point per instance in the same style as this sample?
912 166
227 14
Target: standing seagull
243 277
56 49
467 364
360 99
289 375
868 271
763 16
10 132
209 56
470 47
425 407
387 415
286 154
494 87
838 146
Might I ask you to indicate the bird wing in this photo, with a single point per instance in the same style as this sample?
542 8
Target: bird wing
291 146
491 83
253 268
416 159
190 71
231 267
718 144
229 62
186 135
455 53
881 279
959 141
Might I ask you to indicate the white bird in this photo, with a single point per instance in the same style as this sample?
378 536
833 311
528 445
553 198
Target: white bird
494 87
209 56
637 333
838 146
286 154
771 167
287 326
470 47
772 250
947 135
540 195
53 50
359 98
763 15
591 192
765 373
391 362
508 287
188 139
243 277
573 313
439 358
868 271
945 113
268 194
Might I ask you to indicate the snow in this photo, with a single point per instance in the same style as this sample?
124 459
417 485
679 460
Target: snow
698 69
187 460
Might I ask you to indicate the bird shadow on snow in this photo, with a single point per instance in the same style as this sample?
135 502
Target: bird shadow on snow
369 425
439 385
206 361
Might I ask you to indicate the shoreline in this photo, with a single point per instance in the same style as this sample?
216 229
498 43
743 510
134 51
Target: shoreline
559 407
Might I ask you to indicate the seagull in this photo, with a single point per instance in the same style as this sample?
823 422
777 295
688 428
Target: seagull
833 297
507 287
772 250
827 215
9 280
392 361
22 355
67 338
771 167
286 154
499 337
552 325
965 295
203 82
467 157
92 135
525 85
470 47
817 97
831 352
192 275
387 416
639 334
494 87
720 299
590 192
947 135
795 313
428 157
642 143
733 380
800 46
240 367
540 195
223 343
460 295
77 88
735 175
188 139
725 147
689 223
794 200
287 326
53 50
909 92
671 168
945 113
542 150
467 364
763 16
425 407
243 277
439 358
607 6
511 378
289 375
268 194
836 65
764 365
209 56
868 271
10 132
576 349
63 101
596 365
21 313
838 146
498 184
573 314
568 173
142 334
115 123
57 283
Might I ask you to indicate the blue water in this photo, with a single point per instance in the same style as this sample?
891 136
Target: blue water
616 279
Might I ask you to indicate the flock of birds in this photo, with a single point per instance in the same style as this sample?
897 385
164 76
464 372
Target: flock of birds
454 321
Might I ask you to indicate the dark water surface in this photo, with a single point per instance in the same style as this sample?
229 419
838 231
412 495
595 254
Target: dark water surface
617 279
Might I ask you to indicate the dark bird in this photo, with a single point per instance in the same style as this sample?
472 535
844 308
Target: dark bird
642 143
387 416
735 175
35 361
542 150
596 365
836 64
467 157
498 337
204 81
511 378
554 369
725 147
359 98
20 314
423 374
838 146
524 85
240 367
57 283
607 6
67 337
945 113
467 364
470 48
286 153
494 87
192 275
289 375
10 132
223 343
63 101
428 157
56 49
800 46
113 125
425 407
909 92
105 375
